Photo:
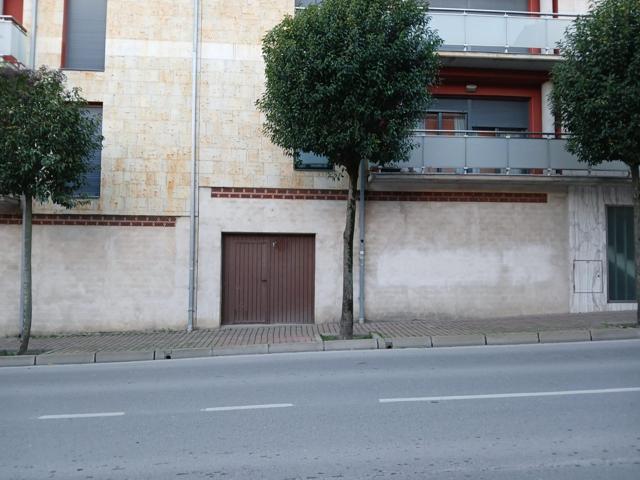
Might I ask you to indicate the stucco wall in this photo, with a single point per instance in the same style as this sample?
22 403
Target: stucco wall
468 260
424 259
588 243
93 278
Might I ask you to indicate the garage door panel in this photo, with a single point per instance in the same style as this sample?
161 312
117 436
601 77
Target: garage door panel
268 279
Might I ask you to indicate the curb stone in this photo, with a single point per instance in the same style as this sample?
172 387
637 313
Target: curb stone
124 356
240 350
458 340
358 344
66 358
188 353
517 338
295 347
411 342
17 361
614 333
558 336
383 343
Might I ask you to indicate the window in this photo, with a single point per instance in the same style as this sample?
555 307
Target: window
311 161
91 187
306 3
495 117
620 254
85 26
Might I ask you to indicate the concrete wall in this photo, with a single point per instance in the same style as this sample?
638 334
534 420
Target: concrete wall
588 245
94 278
424 259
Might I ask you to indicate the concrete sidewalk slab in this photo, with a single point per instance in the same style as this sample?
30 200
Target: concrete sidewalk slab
565 336
124 356
65 358
17 360
458 340
411 342
512 338
356 344
614 333
189 353
295 347
240 350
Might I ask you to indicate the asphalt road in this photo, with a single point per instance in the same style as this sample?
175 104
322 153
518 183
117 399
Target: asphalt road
565 411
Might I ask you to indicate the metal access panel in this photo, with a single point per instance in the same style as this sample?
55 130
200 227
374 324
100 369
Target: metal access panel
268 279
587 276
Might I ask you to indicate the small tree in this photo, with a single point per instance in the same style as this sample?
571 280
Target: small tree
45 141
597 92
348 79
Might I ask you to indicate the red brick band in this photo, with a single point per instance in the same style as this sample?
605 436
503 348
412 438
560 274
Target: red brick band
97 220
313 194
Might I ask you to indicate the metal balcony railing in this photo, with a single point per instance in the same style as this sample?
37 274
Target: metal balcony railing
499 31
499 153
13 40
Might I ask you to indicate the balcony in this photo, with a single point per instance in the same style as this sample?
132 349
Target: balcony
13 41
517 155
488 38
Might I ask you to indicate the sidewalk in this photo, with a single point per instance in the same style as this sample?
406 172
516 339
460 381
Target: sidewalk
273 338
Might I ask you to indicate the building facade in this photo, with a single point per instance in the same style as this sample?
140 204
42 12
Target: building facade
489 217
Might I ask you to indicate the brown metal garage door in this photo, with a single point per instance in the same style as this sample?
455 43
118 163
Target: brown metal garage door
267 278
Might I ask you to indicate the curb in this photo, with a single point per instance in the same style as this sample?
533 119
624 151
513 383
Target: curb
70 358
458 340
124 356
375 343
295 347
565 336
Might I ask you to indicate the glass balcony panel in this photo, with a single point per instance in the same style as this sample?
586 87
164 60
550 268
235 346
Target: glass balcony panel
621 166
486 152
561 159
557 28
526 32
486 31
450 27
528 153
444 152
415 159
13 40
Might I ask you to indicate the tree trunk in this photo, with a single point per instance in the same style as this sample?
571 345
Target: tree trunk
346 319
635 176
26 258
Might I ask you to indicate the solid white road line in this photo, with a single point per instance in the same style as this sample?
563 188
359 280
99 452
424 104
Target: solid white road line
510 395
247 407
81 415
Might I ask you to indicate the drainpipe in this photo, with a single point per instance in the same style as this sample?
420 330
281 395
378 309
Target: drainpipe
194 167
32 65
363 186
34 32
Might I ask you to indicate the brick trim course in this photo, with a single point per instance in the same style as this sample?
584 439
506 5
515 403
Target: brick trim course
437 196
94 220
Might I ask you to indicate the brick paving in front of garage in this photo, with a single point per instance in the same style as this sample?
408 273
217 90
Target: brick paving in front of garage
232 336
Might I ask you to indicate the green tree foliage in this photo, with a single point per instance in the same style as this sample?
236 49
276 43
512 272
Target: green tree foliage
46 137
348 79
597 91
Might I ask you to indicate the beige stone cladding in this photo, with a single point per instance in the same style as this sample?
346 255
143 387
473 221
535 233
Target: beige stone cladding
424 259
146 95
97 278
233 149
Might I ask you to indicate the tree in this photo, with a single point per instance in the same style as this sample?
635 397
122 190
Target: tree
597 93
348 80
46 137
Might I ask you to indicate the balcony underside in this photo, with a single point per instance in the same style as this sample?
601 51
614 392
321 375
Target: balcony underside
509 61
385 181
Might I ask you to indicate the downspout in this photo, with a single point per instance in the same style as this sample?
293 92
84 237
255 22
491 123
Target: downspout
34 32
363 186
194 167
32 65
